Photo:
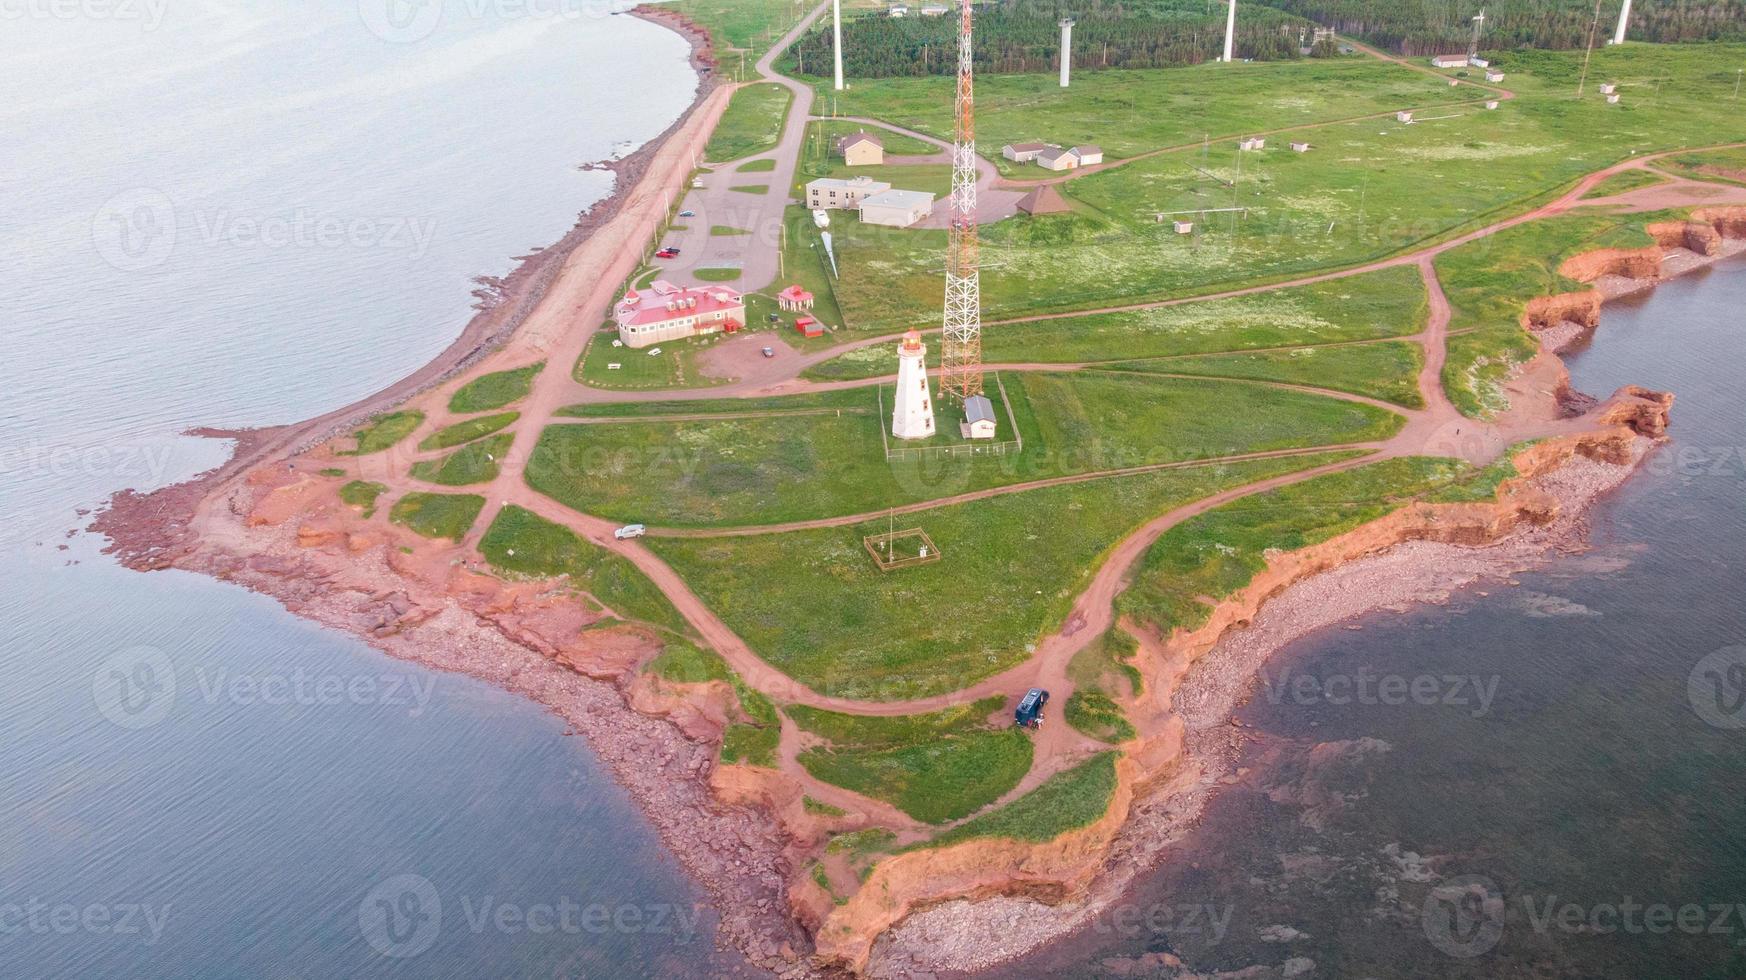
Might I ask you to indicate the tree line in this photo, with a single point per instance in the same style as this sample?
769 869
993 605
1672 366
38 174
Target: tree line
1422 27
1020 36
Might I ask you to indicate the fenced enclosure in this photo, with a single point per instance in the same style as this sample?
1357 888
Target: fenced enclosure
952 450
901 549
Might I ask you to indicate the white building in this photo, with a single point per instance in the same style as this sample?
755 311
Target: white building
1298 146
1253 143
1609 88
1056 158
1088 154
838 192
1184 226
912 405
978 418
1022 152
896 209
1494 76
1478 62
1491 104
1449 61
664 312
1403 116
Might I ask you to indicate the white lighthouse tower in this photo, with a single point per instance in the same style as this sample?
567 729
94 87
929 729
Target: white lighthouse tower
912 411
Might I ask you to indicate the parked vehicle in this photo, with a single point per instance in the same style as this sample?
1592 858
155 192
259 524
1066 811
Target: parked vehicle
667 253
1029 713
688 214
769 352
630 531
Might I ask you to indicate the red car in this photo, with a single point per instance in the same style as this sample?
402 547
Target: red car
667 253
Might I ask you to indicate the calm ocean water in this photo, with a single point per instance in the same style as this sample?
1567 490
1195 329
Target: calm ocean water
235 214
1539 782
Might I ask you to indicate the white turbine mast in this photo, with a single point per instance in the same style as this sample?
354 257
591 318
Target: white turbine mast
1066 48
1231 32
1624 22
837 39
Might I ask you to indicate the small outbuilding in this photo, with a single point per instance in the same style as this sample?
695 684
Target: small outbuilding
1253 143
978 418
1610 88
861 149
1298 146
1043 200
1613 99
806 326
1087 154
1449 61
1404 116
1493 104
794 299
1056 158
896 209
1184 227
1494 76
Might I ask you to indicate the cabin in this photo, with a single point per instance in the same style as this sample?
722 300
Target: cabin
1610 88
1493 104
1253 143
1022 152
1184 227
1087 154
840 192
897 10
1056 158
1449 61
896 209
1298 146
1613 99
861 150
1494 76
978 418
1477 62
1404 116
935 10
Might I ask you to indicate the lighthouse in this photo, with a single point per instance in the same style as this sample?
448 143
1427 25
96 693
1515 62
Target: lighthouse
912 410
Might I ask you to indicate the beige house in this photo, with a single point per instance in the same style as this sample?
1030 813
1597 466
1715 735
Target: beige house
1184 227
1022 152
1088 154
1253 143
896 209
1298 146
1494 75
861 150
841 192
1449 61
1056 158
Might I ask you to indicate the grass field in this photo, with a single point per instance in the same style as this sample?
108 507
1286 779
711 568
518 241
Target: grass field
1068 800
638 368
751 26
764 470
752 123
1219 552
495 390
933 177
939 779
524 543
437 515
1387 370
813 604
762 166
680 662
881 731
822 136
473 463
362 494
1625 182
383 431
1094 715
468 430
1726 165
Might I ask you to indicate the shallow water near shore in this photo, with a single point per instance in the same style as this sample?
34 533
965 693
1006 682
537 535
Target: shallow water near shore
243 215
1519 783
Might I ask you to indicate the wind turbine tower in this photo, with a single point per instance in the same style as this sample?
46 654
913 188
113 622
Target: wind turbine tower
961 341
1066 48
837 39
1624 22
1231 32
1478 25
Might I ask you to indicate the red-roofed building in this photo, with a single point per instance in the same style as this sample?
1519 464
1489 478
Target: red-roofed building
666 312
794 298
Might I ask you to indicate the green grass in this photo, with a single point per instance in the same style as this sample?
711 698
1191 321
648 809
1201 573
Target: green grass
754 740
774 469
524 543
331 471
812 603
727 231
1625 182
1106 665
1216 553
494 390
820 807
822 136
473 463
437 515
362 494
763 166
715 275
1388 371
1727 165
680 662
803 262
468 430
638 369
384 431
1068 800
749 26
1094 715
752 123
751 188
875 731
1490 282
847 400
938 780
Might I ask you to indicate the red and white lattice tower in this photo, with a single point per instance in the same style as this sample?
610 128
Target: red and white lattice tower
961 347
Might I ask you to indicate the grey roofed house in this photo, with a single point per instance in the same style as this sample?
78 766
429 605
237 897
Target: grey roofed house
1053 154
977 408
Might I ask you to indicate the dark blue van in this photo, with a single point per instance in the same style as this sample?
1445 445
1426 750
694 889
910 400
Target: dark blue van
1029 713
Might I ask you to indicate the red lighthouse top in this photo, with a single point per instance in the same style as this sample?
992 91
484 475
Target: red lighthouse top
912 343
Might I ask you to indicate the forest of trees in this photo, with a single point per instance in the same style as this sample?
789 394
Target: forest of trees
1431 26
1015 36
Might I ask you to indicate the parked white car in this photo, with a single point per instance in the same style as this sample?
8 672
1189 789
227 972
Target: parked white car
630 531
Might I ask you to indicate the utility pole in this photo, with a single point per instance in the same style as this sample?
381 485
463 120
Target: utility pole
1593 28
1739 75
